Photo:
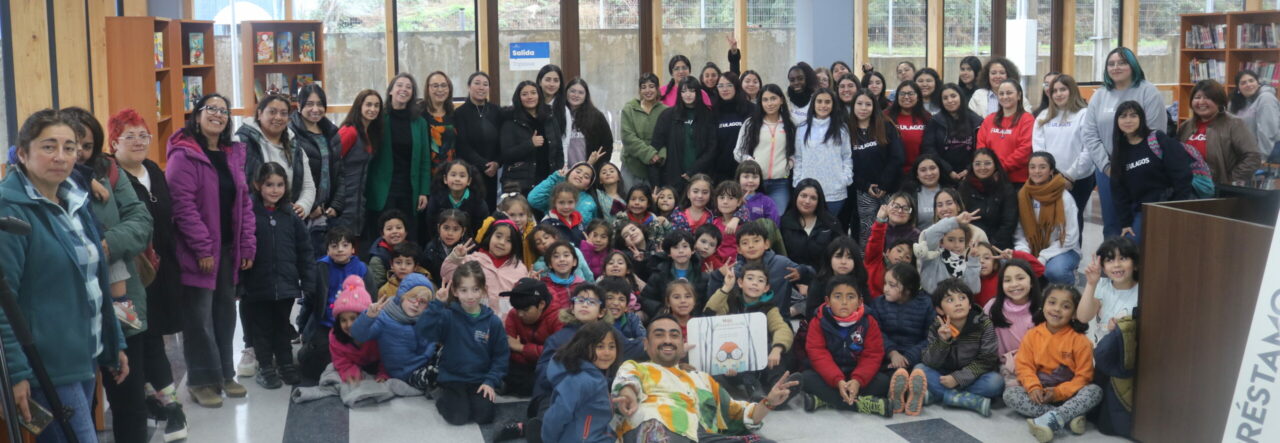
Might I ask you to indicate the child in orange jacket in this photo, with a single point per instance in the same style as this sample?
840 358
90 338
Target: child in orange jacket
1055 368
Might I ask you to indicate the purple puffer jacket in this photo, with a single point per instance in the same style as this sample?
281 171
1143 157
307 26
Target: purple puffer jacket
193 183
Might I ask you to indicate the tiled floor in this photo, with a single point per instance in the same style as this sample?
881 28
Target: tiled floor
269 416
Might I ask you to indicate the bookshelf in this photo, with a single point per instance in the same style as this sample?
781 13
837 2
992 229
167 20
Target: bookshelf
1220 45
273 69
143 62
198 62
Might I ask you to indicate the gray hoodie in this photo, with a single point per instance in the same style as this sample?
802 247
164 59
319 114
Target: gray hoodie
1099 122
1262 116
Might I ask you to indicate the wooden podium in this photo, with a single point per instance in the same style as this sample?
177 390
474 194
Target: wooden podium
1202 264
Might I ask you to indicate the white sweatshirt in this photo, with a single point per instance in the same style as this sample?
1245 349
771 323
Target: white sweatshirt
1061 137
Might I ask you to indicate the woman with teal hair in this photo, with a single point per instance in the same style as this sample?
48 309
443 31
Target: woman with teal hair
1122 81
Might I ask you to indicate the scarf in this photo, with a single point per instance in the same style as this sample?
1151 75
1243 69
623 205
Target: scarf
396 312
562 281
978 184
764 298
572 221
848 321
799 99
1052 212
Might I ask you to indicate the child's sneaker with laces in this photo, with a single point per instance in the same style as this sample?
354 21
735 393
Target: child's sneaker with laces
125 313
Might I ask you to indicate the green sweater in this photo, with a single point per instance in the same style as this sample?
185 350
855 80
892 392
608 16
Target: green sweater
637 133
378 183
128 231
41 269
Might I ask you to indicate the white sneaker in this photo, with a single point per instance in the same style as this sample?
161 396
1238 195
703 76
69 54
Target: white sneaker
248 366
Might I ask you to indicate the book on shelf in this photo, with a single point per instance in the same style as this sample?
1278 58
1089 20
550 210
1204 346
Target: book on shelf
1266 71
1208 69
158 40
277 83
303 80
1257 35
192 90
284 46
158 101
258 91
195 43
1207 37
265 45
307 46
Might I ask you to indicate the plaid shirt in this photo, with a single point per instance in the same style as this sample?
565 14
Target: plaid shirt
87 254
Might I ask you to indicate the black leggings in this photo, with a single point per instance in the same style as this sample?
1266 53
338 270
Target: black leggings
459 404
271 332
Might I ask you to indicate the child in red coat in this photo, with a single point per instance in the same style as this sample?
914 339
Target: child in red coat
528 324
845 348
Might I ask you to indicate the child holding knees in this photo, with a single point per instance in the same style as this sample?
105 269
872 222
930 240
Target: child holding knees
617 294
498 255
962 356
451 230
1112 289
1047 225
1012 310
582 373
404 261
944 252
845 349
540 240
459 188
475 352
676 262
563 216
747 295
758 205
394 231
391 322
596 244
578 180
529 323
903 314
1055 369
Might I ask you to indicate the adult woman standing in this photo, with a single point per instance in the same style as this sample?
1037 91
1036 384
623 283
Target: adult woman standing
769 138
1256 104
930 85
987 190
751 85
530 140
808 226
639 117
1058 132
970 66
1144 176
1047 226
400 170
910 118
478 121
437 110
710 76
1224 142
360 132
846 88
1122 81
126 227
584 127
72 320
874 81
822 149
679 67
1008 132
731 110
214 236
802 81
549 79
839 69
312 131
267 138
130 141
983 101
686 133
1046 92
952 134
877 161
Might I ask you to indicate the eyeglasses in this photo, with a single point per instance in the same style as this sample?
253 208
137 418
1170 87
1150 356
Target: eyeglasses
907 94
216 110
900 208
1117 64
586 301
680 68
438 85
145 138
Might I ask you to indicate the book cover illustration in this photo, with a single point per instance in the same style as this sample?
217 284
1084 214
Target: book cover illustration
266 47
303 80
158 100
307 46
284 47
193 90
738 342
159 51
195 42
277 83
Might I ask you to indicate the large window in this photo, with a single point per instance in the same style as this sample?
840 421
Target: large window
437 35
697 30
609 39
227 16
966 31
896 33
771 38
1042 12
1097 33
1159 35
355 44
522 21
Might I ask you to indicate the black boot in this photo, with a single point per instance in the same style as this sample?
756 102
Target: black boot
175 427
268 377
510 431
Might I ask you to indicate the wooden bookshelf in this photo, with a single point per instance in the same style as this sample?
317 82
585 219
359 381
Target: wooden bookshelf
255 73
193 65
1232 55
134 80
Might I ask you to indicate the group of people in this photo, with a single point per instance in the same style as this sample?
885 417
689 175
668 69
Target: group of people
463 251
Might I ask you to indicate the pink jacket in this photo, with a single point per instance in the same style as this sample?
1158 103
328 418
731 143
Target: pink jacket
348 359
497 279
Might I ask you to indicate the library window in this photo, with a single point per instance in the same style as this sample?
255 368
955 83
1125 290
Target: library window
355 45
1097 33
771 37
522 21
435 35
966 31
1160 36
896 32
608 41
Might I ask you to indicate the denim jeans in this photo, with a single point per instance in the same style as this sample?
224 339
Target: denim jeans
779 190
988 385
1110 225
1062 268
834 206
78 398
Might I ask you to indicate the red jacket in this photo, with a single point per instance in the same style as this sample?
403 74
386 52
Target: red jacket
532 336
869 359
990 282
560 293
1012 144
873 259
348 359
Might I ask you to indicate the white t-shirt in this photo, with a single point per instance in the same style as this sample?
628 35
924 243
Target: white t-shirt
145 179
1116 303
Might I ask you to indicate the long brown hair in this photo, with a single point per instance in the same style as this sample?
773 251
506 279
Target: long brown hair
355 119
1075 102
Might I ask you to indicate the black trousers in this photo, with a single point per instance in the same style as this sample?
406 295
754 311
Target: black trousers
269 321
314 355
519 379
128 398
459 404
813 383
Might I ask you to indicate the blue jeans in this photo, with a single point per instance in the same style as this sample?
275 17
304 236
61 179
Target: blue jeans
778 190
1062 268
1110 226
989 385
78 398
833 206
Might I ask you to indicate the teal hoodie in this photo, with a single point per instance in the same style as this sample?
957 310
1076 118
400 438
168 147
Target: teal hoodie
57 308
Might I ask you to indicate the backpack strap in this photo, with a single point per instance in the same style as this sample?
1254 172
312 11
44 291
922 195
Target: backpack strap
1154 144
113 172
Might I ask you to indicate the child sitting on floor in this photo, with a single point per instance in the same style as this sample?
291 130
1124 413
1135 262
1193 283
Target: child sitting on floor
961 358
845 348
404 261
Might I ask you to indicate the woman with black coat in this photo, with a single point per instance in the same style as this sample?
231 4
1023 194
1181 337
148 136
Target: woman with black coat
731 110
478 122
353 146
807 226
952 133
312 132
987 190
877 162
530 140
689 122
